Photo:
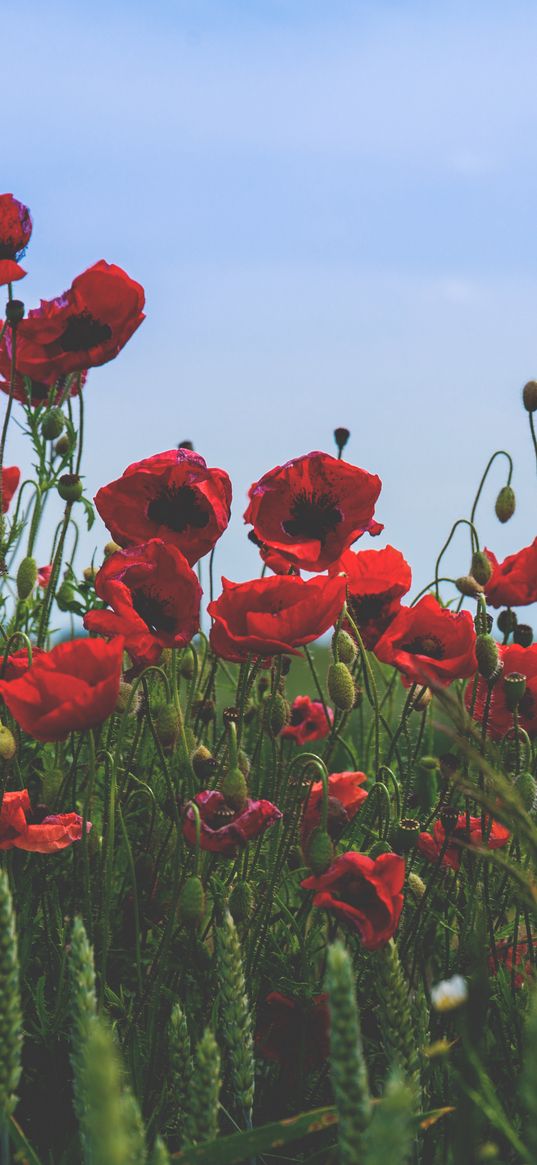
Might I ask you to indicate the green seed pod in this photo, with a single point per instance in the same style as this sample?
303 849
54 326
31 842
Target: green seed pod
469 586
243 762
242 902
192 901
481 568
26 577
507 621
523 635
430 763
343 647
341 686
348 1068
529 396
276 713
514 686
10 1009
52 424
488 656
234 789
63 445
319 850
167 725
203 763
8 744
526 787
70 487
505 504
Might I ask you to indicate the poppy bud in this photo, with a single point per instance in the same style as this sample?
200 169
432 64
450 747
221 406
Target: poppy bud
429 763
63 445
70 487
481 568
416 885
514 689
449 815
203 763
343 647
488 656
469 586
123 698
341 436
319 850
111 548
8 745
186 667
422 699
186 445
507 621
341 686
89 573
523 635
276 713
192 901
529 396
406 835
167 725
26 577
379 847
52 424
505 504
65 595
526 787
234 789
204 710
241 902
14 312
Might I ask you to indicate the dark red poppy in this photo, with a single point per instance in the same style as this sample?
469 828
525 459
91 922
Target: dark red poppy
36 392
514 581
225 830
268 616
345 795
15 232
363 892
86 326
155 599
17 663
506 956
293 1031
173 496
308 721
53 832
430 644
518 660
73 687
430 845
311 509
10 481
376 580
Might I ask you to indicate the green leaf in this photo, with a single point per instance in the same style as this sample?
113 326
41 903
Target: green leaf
90 512
19 1141
239 1146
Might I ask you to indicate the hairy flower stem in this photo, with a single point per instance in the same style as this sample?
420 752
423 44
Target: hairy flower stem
5 427
52 582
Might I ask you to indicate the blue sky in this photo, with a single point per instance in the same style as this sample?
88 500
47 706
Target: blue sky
332 209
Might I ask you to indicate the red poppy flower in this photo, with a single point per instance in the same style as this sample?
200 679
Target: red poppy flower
73 687
376 579
268 616
363 892
308 721
275 562
54 832
524 968
17 663
293 1031
225 830
515 659
155 599
15 231
43 576
430 845
10 481
36 392
430 644
173 496
345 795
514 581
87 325
311 509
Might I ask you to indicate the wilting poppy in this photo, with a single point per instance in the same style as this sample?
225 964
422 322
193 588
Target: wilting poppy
274 615
15 232
431 845
376 580
155 599
293 1031
312 508
363 892
173 496
50 833
345 795
225 830
430 644
515 660
10 481
308 721
86 326
513 582
73 687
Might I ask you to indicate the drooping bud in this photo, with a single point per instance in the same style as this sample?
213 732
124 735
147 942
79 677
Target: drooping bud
111 548
416 885
234 789
319 850
482 621
276 712
341 436
90 574
14 312
505 504
506 621
186 666
70 487
123 699
526 787
241 902
167 725
481 568
191 905
341 686
488 656
406 835
469 586
8 744
52 424
514 689
26 577
63 445
203 763
529 396
523 635
422 699
343 647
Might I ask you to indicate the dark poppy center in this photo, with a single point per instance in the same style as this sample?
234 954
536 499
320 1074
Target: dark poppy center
298 716
83 331
177 507
7 249
312 516
367 608
425 645
154 611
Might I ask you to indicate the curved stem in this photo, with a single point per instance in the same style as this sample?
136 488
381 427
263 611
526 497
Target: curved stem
498 453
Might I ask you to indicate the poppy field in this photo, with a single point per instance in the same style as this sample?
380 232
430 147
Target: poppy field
240 924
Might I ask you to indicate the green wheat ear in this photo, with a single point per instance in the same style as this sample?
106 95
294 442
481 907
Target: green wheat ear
181 1068
10 1007
160 1155
396 1021
113 1131
390 1135
83 1010
203 1092
235 1012
347 1064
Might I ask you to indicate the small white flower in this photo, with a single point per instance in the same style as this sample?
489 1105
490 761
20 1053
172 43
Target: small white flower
449 994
